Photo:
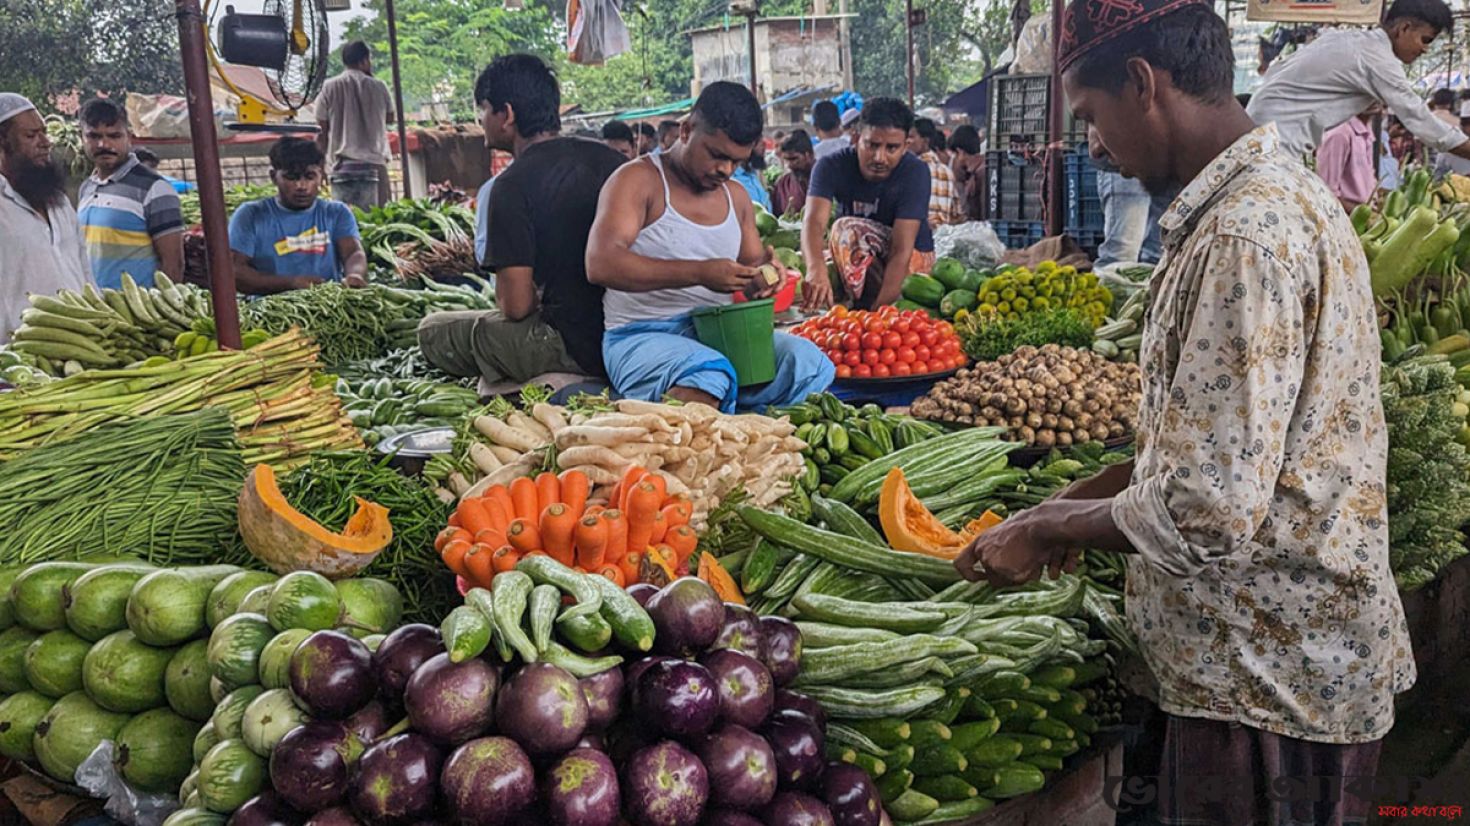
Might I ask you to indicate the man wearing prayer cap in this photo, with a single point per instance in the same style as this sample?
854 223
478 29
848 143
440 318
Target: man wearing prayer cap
1253 516
40 242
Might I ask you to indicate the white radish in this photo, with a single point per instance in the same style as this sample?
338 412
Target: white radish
591 455
446 496
504 476
458 483
484 458
589 434
549 415
530 425
503 434
598 475
506 455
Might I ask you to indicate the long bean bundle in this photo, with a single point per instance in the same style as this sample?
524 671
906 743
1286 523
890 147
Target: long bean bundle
270 392
162 488
325 490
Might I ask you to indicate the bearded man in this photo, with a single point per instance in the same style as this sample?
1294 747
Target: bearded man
40 241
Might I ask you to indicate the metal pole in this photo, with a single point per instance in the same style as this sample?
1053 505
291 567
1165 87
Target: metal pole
398 97
1057 191
206 164
844 37
908 25
750 43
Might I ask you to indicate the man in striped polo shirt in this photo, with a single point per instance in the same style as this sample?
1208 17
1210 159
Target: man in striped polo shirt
130 215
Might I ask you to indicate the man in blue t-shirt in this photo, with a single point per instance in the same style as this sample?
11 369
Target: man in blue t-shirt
881 193
296 239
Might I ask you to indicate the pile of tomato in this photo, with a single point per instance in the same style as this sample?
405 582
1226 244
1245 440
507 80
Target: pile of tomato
883 343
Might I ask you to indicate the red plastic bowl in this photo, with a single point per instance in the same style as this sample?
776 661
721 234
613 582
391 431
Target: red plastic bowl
785 297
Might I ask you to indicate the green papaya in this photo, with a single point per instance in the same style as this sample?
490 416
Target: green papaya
224 599
186 682
96 604
124 674
154 750
53 663
921 289
167 607
36 594
19 716
71 731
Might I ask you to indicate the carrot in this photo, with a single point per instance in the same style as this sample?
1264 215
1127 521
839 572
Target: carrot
548 491
683 540
678 512
524 536
504 559
615 574
557 527
499 515
448 534
617 534
453 554
474 516
591 543
500 494
493 537
574 489
631 478
479 569
661 484
523 496
592 510
453 521
660 528
630 565
642 506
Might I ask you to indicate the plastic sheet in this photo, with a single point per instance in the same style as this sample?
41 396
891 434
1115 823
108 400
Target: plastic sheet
595 31
974 243
98 775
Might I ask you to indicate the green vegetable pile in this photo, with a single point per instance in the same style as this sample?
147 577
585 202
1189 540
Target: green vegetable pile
325 490
384 407
1428 470
988 336
160 488
402 363
235 197
386 229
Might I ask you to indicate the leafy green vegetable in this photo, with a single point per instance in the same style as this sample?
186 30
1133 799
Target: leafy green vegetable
987 338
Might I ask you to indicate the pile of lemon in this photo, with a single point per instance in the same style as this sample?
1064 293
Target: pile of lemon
1018 291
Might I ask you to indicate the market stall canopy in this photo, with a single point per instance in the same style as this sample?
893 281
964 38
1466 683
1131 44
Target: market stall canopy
655 111
973 100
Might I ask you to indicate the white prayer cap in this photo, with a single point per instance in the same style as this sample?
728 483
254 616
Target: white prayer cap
12 104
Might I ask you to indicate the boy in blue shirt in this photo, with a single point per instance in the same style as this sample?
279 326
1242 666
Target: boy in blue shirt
296 239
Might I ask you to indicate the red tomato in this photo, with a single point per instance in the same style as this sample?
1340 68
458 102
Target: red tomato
906 355
876 325
835 356
852 358
920 368
911 339
902 369
887 356
888 311
922 353
892 340
837 311
872 341
862 371
834 341
880 371
927 337
902 325
844 372
851 343
870 357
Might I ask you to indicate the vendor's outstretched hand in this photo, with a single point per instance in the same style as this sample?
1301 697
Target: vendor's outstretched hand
725 276
354 280
1014 552
816 291
305 282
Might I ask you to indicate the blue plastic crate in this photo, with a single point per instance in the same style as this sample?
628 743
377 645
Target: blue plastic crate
1084 206
1018 235
1088 238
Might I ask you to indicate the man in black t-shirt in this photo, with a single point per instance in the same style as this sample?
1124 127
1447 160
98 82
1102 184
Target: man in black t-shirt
881 193
541 210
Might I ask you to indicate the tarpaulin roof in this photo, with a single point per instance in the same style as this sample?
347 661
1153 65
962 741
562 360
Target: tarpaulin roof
798 92
655 111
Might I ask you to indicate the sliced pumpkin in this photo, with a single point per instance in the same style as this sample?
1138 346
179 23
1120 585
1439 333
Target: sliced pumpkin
908 525
712 572
981 524
287 540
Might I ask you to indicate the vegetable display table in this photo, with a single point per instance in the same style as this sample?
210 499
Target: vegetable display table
1439 624
1073 796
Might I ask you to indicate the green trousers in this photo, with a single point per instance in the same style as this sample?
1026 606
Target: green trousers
486 344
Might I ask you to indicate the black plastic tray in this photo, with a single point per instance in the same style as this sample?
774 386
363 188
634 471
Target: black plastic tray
895 381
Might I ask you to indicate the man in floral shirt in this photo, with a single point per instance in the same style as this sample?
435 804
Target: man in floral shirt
1254 514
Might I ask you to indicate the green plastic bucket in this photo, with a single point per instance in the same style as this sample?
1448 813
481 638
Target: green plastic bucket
744 333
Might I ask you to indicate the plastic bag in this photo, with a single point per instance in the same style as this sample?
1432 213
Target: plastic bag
1124 278
1033 47
974 243
595 31
99 777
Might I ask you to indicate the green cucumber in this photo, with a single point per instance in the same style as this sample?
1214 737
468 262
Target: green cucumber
511 591
1045 762
543 570
826 665
938 759
997 750
1071 702
1025 709
576 664
1032 743
950 709
466 633
1016 779
856 704
1038 694
588 634
631 624
1055 676
946 787
900 756
1090 671
545 601
1083 724
887 732
760 568
911 805
846 551
925 733
955 811
983 777
847 736
966 736
1055 729
890 617
826 635
976 708
872 764
1003 684
893 783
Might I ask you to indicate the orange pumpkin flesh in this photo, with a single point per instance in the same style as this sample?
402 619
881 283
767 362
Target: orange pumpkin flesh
908 525
287 540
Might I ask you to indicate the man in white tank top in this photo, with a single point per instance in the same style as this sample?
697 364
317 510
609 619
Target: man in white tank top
673 234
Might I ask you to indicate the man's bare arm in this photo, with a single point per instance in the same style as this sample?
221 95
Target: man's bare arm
254 282
170 252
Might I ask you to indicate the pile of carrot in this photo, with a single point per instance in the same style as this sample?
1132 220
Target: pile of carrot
641 531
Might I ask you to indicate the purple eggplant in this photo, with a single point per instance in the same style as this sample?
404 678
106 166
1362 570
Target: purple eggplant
851 796
581 789
397 779
452 702
604 693
592 740
400 654
726 817
741 631
311 766
786 699
781 648
797 809
687 616
642 592
332 675
489 782
369 722
335 816
747 693
266 809
542 708
633 671
665 785
798 745
677 698
741 766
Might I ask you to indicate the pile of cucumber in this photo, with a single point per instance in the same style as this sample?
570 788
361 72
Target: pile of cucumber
382 408
841 438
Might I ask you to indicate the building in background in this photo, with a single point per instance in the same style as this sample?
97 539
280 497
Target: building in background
798 60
